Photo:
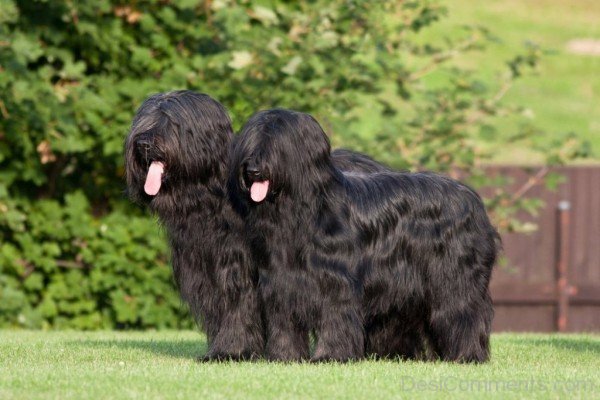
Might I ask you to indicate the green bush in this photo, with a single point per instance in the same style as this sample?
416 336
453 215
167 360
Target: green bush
62 266
75 253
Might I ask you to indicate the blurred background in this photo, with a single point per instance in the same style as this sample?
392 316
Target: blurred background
502 94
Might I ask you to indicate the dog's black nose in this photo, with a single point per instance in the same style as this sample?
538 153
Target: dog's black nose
145 143
145 140
252 172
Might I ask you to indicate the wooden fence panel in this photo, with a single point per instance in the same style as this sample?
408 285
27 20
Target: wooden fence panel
527 290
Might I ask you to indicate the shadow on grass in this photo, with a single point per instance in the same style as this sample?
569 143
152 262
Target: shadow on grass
192 349
574 343
185 349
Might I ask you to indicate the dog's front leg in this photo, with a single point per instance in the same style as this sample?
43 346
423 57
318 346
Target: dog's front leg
287 339
240 332
340 331
340 336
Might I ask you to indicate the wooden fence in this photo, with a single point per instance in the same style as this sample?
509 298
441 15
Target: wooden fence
551 279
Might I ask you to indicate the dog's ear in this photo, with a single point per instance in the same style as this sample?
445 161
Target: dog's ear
314 138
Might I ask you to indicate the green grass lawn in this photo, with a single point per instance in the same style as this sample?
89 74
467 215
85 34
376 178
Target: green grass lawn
564 96
113 365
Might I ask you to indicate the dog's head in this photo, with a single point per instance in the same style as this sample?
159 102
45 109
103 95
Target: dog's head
176 139
279 152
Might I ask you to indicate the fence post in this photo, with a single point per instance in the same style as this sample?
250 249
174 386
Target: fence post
563 290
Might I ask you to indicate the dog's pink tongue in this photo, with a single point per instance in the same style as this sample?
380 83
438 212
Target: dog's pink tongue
258 191
154 178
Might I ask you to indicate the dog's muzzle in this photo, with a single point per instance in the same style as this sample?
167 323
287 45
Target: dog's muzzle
257 181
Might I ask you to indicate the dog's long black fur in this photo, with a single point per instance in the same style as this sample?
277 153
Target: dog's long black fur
384 262
191 134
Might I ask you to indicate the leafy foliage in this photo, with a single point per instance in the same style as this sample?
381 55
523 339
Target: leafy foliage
74 253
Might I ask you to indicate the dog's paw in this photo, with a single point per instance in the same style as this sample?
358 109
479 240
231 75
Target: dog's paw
218 356
319 357
285 357
210 357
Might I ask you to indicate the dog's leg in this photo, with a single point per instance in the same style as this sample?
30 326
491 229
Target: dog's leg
340 336
409 345
391 338
460 331
240 331
340 322
285 340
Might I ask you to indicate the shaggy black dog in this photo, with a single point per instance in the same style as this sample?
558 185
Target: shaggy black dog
176 156
370 262
176 163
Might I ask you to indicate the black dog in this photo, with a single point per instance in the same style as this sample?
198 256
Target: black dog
176 163
398 256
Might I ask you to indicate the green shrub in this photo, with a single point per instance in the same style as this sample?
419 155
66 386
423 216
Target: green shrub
75 253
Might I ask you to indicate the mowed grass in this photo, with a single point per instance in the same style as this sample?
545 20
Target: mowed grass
564 94
156 365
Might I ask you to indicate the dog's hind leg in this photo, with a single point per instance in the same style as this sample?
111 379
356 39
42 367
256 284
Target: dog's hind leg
391 337
459 330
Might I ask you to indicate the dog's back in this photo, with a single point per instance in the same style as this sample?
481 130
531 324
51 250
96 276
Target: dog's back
423 195
426 208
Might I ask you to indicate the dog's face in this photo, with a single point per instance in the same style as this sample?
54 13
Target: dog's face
176 139
279 152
